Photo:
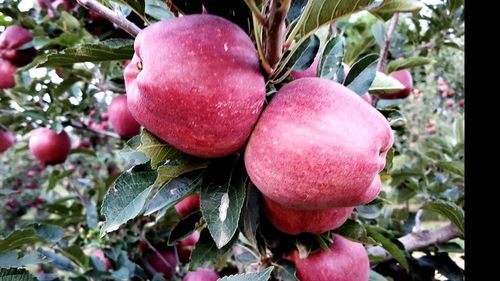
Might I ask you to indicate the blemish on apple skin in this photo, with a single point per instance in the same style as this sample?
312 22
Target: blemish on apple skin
226 47
224 206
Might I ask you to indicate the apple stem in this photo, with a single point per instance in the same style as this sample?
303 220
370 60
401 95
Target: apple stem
420 239
117 18
381 66
275 37
51 8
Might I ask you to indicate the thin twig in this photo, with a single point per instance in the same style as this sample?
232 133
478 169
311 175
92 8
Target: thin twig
381 66
275 32
104 87
117 18
82 126
51 8
420 239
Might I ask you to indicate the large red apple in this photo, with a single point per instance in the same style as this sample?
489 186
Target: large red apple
346 261
6 140
201 274
188 205
186 246
318 145
403 76
122 121
195 82
294 221
11 40
162 261
49 147
7 74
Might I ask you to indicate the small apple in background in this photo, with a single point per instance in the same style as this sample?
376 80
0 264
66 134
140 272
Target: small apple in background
201 274
35 202
461 102
121 119
79 144
403 76
328 147
31 173
449 103
98 253
346 261
7 140
209 112
67 5
310 71
11 40
163 261
188 205
49 147
186 246
105 116
7 74
32 185
294 221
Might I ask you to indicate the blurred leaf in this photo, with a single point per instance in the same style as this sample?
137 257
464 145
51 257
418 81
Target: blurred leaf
76 255
83 151
405 63
126 198
456 167
207 252
174 168
159 151
296 9
355 231
158 9
59 261
393 246
14 259
55 177
354 50
285 271
384 83
254 276
330 66
361 76
222 197
250 214
444 265
375 276
136 5
459 127
51 233
18 239
448 209
389 7
16 275
184 228
378 31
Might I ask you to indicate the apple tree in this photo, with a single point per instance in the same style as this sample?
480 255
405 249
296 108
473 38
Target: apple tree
287 140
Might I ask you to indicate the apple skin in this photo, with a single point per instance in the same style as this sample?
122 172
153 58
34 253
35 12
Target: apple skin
186 246
13 38
294 222
188 205
403 76
163 261
200 87
346 261
309 72
318 145
121 119
7 73
7 140
49 147
201 274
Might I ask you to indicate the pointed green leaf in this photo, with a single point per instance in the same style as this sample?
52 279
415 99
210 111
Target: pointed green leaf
254 276
448 209
330 66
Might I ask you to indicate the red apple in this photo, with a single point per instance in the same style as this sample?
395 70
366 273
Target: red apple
13 38
403 76
346 261
318 146
49 147
186 246
6 140
7 73
195 82
294 221
100 255
82 144
32 185
201 274
188 205
461 102
163 262
309 72
122 121
450 103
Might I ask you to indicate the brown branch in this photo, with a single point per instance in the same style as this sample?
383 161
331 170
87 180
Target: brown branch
103 87
275 33
381 66
420 239
117 18
82 126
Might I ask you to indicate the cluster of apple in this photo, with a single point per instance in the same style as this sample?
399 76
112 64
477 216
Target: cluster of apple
314 153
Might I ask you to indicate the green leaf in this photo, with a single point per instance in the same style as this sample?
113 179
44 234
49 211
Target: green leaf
171 193
13 259
378 31
158 9
76 255
390 7
355 231
207 252
459 127
136 5
250 214
254 276
355 49
51 233
361 76
109 50
56 176
391 245
404 63
375 276
222 197
83 151
448 209
184 228
175 168
19 238
455 167
295 9
384 83
126 198
285 271
330 65
16 275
